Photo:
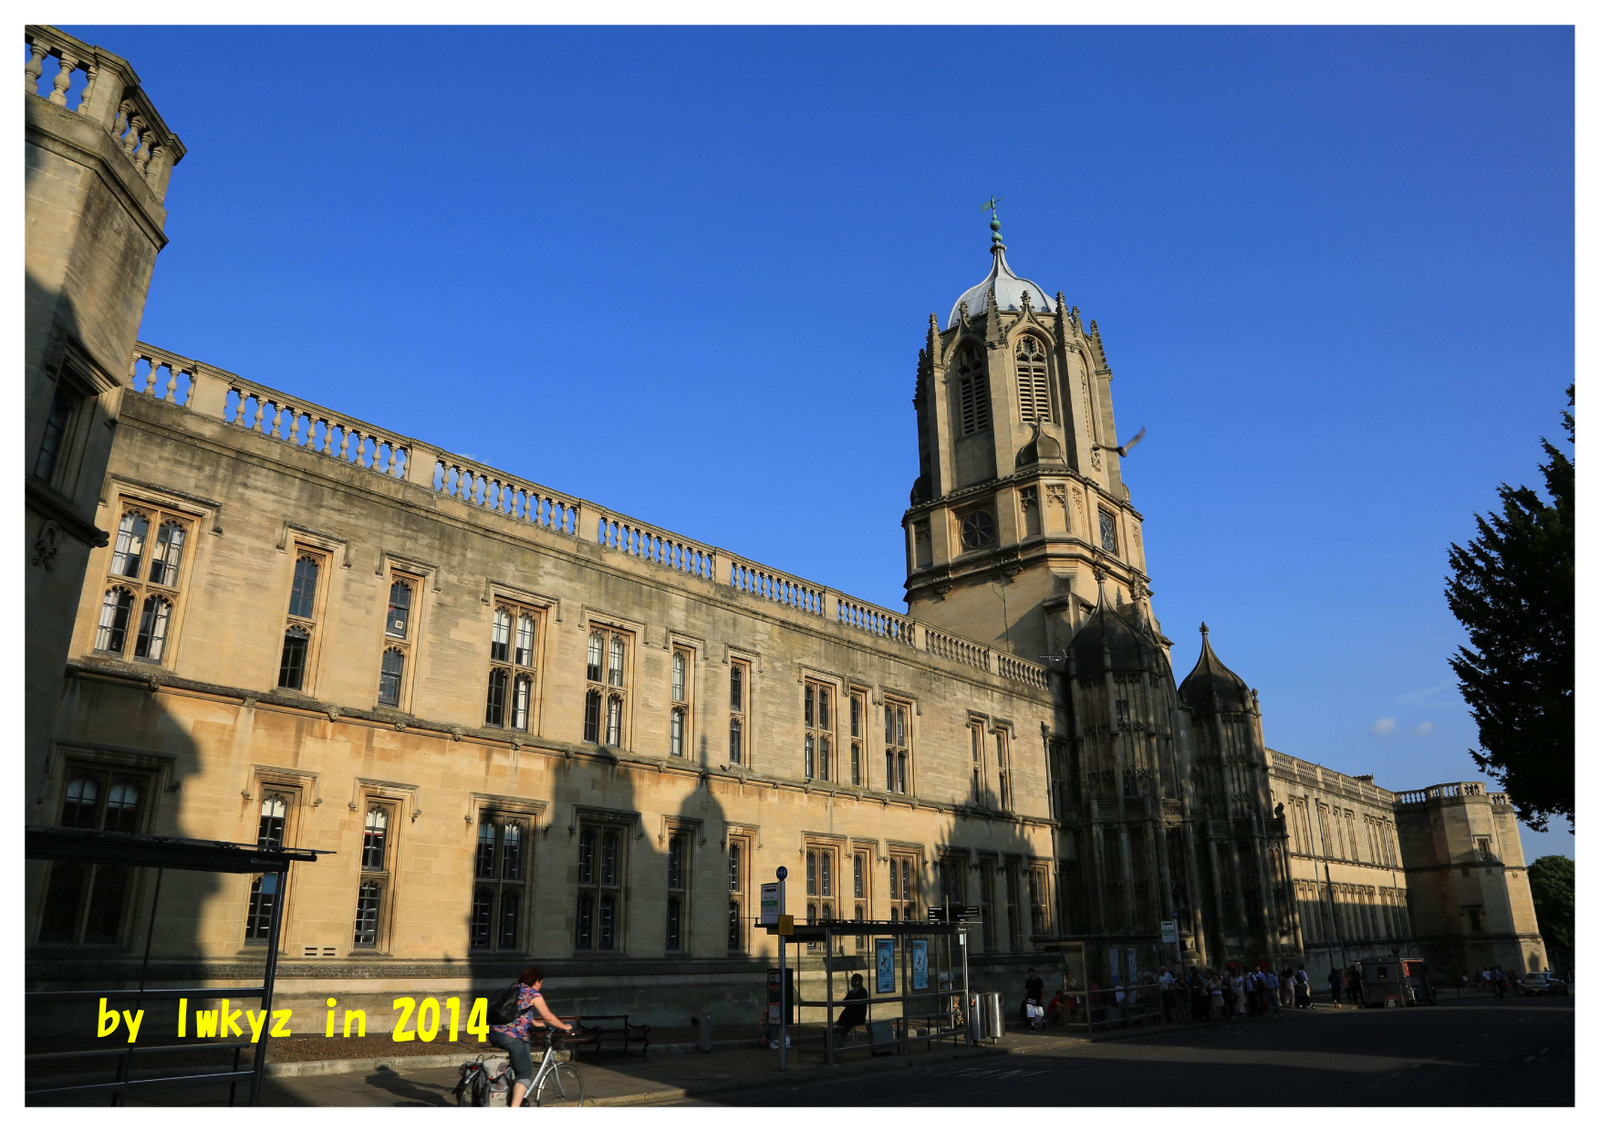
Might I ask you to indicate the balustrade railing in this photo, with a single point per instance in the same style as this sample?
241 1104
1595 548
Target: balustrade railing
315 429
670 550
108 93
1023 671
952 647
207 391
162 376
1413 797
502 494
875 620
749 578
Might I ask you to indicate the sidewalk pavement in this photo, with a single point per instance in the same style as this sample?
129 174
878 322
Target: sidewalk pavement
615 1080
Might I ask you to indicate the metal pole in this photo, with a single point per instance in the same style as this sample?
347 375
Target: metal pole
783 985
966 986
827 962
273 932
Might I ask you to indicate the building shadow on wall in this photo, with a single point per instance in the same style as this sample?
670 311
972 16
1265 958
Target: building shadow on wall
983 860
122 764
625 909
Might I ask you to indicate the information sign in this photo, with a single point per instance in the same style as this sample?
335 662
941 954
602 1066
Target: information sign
771 904
885 983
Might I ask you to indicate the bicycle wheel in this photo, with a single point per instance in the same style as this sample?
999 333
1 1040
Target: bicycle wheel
562 1087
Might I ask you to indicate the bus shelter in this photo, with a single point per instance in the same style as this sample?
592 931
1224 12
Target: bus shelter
912 992
80 1071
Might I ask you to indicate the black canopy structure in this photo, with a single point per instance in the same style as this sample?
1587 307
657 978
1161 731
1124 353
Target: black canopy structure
88 846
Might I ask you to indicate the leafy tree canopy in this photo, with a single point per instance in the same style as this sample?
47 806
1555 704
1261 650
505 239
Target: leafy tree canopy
1554 881
1512 590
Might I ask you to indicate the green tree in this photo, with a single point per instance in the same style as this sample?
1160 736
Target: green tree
1513 593
1553 881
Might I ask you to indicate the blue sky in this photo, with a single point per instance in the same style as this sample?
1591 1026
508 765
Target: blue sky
685 273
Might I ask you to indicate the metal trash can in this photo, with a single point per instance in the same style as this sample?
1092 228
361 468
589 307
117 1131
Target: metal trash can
975 1018
992 1014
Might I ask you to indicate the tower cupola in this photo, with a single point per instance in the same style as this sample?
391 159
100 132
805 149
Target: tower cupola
1007 286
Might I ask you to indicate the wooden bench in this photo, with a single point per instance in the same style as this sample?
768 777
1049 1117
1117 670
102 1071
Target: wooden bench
591 1031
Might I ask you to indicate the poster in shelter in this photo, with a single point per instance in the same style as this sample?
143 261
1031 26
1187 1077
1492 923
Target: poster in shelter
919 964
885 983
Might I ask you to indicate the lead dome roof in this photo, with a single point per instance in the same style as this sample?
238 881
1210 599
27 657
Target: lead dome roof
1213 686
1007 285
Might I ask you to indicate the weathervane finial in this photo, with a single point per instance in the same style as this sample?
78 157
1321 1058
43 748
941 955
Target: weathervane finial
991 206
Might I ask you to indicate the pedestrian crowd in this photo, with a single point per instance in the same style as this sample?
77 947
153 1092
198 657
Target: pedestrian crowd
1222 995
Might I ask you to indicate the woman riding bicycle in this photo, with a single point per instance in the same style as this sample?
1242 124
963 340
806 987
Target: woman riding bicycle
513 1036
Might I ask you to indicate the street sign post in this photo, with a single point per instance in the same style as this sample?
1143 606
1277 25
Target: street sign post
783 969
1169 931
771 904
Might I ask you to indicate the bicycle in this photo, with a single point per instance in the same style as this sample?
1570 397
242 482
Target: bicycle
556 1084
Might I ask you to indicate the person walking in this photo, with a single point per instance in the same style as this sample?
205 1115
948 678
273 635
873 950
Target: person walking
1271 994
1169 995
1302 988
1239 986
513 1035
1334 983
1214 993
1353 988
1032 991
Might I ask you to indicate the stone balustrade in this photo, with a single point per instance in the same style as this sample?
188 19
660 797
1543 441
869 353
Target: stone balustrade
875 620
313 428
670 550
1023 671
110 95
759 581
162 376
194 386
1448 790
506 495
959 649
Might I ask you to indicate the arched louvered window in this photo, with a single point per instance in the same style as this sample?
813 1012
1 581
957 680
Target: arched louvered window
972 392
1033 382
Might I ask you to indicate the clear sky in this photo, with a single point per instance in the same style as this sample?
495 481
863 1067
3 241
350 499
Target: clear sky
685 273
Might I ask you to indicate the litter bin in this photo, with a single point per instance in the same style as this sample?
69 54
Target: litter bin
994 1022
975 1018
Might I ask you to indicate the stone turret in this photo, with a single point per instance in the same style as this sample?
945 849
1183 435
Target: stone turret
98 159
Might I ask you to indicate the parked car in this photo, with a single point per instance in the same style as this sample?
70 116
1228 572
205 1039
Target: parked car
1543 984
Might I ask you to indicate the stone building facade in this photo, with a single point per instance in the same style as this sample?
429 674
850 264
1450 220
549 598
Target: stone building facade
524 726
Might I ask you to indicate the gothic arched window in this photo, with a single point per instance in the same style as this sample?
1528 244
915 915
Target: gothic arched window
972 392
1033 382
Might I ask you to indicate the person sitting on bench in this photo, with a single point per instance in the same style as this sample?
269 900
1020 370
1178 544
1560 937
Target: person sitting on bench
855 1012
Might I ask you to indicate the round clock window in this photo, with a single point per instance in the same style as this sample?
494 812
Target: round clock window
977 530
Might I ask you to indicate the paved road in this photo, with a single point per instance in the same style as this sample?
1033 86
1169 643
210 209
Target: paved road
1470 1051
